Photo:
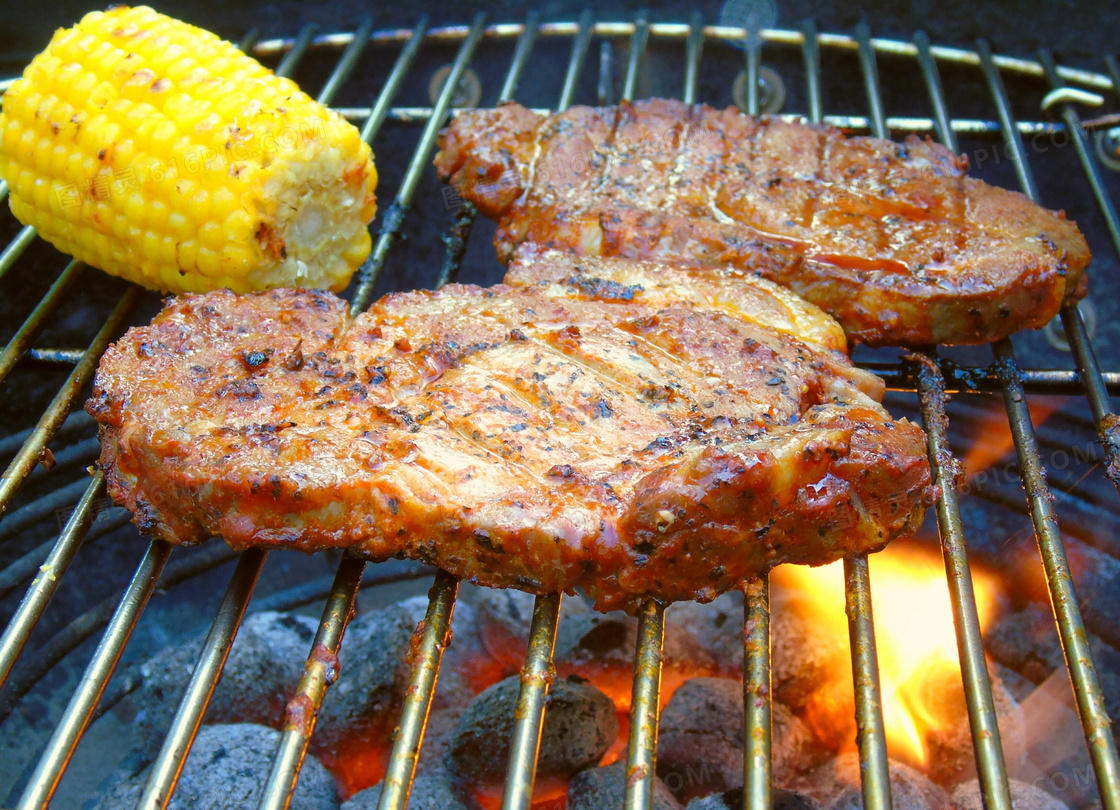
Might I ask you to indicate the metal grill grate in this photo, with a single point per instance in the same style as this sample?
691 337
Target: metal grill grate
924 373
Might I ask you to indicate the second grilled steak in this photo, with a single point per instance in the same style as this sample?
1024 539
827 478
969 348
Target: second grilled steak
626 428
893 239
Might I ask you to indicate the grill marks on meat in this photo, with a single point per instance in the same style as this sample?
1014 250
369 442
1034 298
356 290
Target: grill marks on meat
668 440
892 239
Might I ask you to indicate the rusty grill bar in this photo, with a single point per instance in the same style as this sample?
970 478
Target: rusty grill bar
923 372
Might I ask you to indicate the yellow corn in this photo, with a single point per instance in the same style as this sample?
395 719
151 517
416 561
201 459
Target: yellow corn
160 153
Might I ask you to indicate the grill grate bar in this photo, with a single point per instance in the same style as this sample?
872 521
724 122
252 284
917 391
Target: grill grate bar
16 247
752 53
536 678
986 743
380 109
638 42
299 48
455 33
463 223
1076 335
870 733
21 341
23 568
983 725
870 71
758 712
204 679
1006 120
74 720
394 216
319 672
870 730
644 706
575 62
641 764
693 48
945 132
40 509
899 376
1071 627
852 124
30 610
537 673
84 626
435 635
346 62
811 55
520 57
28 456
757 715
340 602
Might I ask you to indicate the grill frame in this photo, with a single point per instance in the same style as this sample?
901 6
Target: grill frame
923 372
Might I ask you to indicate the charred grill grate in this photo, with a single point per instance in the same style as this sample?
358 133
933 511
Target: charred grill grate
925 373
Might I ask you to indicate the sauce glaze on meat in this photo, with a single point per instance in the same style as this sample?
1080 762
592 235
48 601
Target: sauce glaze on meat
892 239
625 428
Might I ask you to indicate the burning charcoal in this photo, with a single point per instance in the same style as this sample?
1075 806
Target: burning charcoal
364 704
599 647
601 788
700 743
260 675
803 653
227 767
503 618
438 735
1017 686
951 757
836 785
710 635
1027 642
733 800
967 796
430 791
579 726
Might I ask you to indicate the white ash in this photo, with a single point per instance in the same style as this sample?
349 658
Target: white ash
431 790
227 767
601 788
364 703
260 675
700 741
579 726
780 799
836 785
967 796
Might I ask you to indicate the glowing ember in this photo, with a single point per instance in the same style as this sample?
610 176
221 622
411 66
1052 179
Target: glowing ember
915 639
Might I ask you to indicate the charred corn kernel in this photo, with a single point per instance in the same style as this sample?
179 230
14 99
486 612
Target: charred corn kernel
158 152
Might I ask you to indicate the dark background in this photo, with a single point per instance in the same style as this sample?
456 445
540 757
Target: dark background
1078 31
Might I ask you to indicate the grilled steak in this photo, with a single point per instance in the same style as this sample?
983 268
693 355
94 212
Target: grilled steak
890 238
630 429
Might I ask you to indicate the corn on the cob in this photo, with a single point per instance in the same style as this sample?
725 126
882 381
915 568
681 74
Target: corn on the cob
158 152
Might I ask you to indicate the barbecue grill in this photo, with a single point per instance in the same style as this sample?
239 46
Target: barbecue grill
928 373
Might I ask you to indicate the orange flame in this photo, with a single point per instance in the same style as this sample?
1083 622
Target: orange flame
993 439
914 636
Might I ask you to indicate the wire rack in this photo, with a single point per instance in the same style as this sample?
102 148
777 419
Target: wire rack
924 372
